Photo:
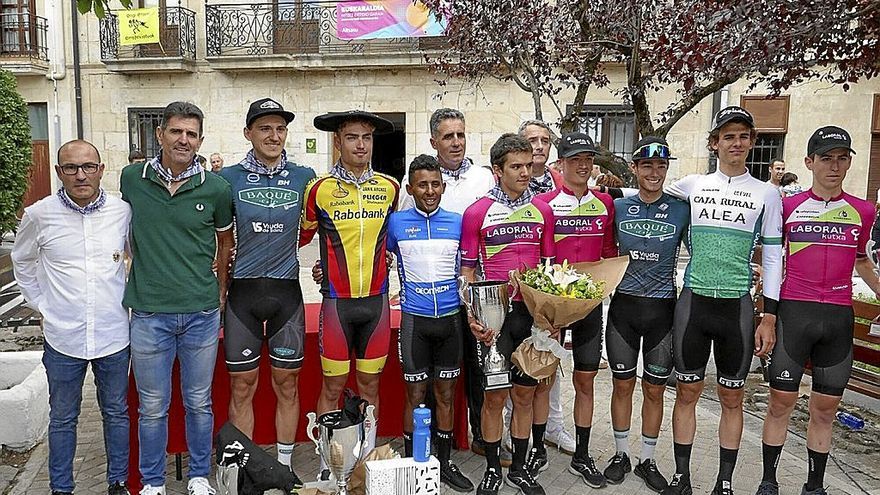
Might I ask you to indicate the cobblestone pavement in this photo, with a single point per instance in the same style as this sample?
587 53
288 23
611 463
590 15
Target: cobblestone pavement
89 464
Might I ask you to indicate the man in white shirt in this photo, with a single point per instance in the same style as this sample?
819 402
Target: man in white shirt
68 260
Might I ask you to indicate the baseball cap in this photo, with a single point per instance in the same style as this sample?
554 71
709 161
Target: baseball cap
573 143
731 114
828 138
267 106
651 147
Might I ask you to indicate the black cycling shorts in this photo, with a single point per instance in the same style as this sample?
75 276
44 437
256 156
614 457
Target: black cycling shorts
430 347
635 322
264 308
586 341
819 332
725 326
517 326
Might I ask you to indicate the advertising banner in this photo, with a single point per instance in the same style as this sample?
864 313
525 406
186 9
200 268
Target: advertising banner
375 19
138 26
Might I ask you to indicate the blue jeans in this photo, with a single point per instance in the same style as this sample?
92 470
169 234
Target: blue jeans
156 339
66 375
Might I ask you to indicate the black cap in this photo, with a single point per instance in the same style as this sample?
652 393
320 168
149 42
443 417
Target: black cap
331 122
731 114
267 106
574 143
644 151
828 138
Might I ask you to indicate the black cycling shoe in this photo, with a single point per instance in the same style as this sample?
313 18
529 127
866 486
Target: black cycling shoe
617 468
490 484
536 462
61 493
452 477
524 482
297 483
817 491
768 488
586 469
117 488
680 485
648 472
722 488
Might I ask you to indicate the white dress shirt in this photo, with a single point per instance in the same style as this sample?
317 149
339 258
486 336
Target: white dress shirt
71 268
460 193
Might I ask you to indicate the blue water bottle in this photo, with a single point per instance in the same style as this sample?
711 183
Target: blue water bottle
851 421
421 433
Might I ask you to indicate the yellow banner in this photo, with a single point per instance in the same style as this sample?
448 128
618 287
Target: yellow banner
138 26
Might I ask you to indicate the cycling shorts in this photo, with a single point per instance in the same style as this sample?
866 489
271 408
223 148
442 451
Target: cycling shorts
586 341
635 322
260 309
820 332
723 325
360 325
430 347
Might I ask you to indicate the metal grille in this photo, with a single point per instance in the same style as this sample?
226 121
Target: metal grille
23 35
767 147
611 127
142 124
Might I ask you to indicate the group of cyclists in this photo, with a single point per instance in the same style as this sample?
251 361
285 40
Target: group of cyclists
453 217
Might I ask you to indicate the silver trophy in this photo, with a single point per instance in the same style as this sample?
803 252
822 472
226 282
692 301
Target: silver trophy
340 447
489 304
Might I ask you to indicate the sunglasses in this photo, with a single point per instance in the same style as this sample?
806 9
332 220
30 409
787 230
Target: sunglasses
652 150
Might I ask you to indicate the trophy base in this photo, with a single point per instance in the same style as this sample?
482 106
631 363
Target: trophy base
497 380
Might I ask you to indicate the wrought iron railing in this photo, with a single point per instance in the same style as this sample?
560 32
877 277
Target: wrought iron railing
304 27
177 37
23 35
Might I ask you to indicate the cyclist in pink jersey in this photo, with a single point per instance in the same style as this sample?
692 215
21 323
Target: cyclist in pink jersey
583 231
504 231
825 232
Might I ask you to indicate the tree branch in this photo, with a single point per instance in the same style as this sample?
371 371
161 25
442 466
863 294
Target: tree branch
683 106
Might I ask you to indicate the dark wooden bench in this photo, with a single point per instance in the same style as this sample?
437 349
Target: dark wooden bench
866 350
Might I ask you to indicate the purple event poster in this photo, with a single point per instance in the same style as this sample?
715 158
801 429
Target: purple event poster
373 19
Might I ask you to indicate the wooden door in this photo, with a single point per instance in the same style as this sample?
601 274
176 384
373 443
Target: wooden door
40 181
295 26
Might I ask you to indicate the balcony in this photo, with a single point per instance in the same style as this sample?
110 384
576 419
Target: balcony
23 44
299 34
175 52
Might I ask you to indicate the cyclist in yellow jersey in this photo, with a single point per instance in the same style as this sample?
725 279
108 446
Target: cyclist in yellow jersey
349 208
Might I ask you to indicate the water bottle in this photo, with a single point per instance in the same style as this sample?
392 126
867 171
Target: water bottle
851 421
421 433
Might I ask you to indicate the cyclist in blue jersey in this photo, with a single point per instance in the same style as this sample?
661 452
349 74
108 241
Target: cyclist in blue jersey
425 240
650 228
264 299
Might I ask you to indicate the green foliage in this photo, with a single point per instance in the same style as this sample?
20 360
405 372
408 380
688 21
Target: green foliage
15 151
99 6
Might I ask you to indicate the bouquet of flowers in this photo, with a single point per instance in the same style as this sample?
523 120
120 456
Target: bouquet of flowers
557 296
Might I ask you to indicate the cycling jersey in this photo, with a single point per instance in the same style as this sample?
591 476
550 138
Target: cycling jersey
426 246
822 241
651 233
728 216
583 228
268 209
501 238
351 218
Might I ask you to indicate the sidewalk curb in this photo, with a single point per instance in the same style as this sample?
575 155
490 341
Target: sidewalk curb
22 483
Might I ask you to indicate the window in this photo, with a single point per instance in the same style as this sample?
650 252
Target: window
15 26
767 147
612 127
142 124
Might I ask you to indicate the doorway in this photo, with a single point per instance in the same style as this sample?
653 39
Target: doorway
40 180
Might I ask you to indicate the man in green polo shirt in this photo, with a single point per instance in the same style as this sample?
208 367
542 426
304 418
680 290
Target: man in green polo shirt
181 217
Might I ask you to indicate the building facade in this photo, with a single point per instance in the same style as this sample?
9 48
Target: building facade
223 56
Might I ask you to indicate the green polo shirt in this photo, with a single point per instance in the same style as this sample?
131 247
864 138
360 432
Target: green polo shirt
173 240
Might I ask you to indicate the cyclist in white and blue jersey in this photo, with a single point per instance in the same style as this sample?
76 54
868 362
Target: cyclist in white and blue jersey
425 240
